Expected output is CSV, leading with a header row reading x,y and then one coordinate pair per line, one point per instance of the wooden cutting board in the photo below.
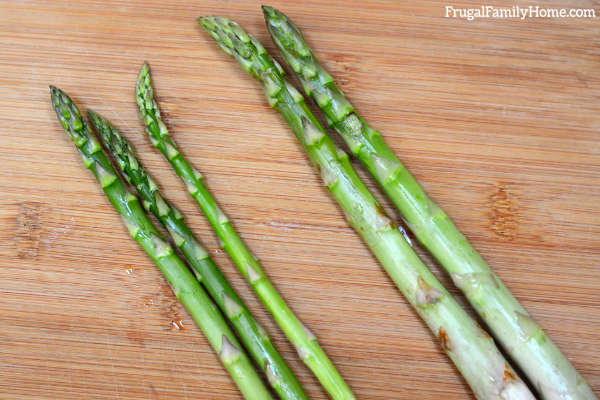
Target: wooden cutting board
x,y
499,120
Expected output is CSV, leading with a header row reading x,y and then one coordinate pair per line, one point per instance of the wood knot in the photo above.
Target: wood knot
x,y
504,213
347,65
136,335
28,229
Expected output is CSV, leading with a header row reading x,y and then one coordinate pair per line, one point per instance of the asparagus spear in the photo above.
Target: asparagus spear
x,y
184,285
470,348
511,325
253,336
305,342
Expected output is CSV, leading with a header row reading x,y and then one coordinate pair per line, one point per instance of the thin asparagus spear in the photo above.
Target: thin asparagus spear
x,y
305,342
253,336
511,325
470,348
182,281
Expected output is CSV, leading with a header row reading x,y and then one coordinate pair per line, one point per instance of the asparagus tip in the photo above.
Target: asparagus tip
x,y
54,91
210,22
144,70
59,96
271,12
97,120
205,20
92,114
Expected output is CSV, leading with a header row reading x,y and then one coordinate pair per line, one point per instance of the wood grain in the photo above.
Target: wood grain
x,y
499,119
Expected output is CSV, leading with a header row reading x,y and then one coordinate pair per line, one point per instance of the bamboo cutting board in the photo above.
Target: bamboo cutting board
x,y
499,120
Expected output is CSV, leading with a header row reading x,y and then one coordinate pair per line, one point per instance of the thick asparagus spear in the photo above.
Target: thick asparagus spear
x,y
253,336
470,348
182,281
511,325
305,342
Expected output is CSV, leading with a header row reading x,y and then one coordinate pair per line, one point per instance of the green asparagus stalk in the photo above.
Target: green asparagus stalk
x,y
511,325
470,348
304,341
182,281
253,336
